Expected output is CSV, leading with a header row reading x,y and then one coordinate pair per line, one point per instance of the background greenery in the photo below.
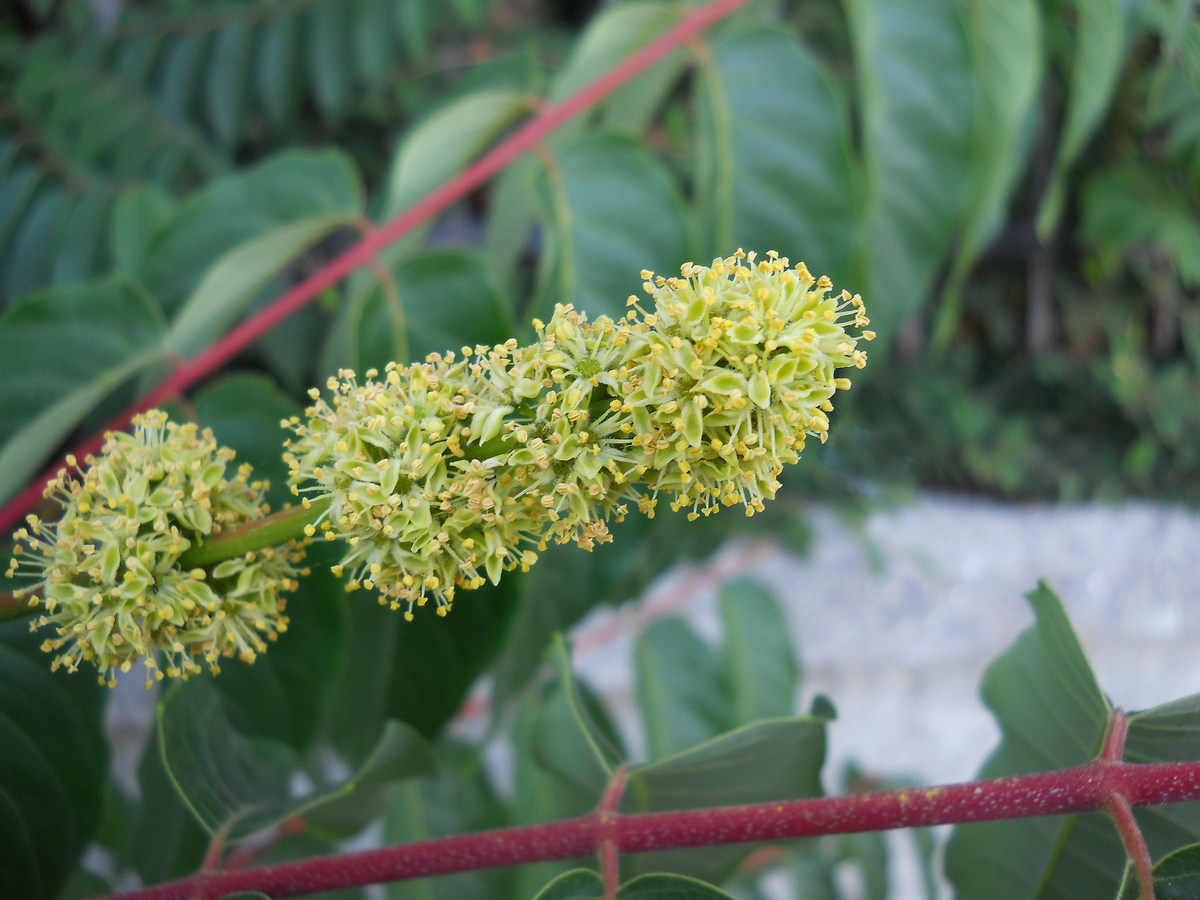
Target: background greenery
x,y
1013,186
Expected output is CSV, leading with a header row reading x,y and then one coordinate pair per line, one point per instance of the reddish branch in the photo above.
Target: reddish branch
x,y
1087,788
523,140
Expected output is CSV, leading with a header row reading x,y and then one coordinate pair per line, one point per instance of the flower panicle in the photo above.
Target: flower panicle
x,y
106,571
443,474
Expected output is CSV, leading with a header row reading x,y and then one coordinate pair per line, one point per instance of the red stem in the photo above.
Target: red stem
x,y
1087,788
520,142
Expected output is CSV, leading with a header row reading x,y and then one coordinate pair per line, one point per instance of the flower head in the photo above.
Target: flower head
x,y
729,372
107,569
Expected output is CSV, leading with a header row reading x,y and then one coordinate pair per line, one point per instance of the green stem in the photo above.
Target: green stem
x,y
277,528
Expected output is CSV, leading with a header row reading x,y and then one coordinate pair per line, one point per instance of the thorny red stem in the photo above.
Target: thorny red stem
x,y
1086,788
527,137
1112,750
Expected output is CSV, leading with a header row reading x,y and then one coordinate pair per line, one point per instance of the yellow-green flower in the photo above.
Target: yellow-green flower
x,y
729,372
107,571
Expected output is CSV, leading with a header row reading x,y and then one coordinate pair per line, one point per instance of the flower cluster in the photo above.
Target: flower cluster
x,y
728,373
107,570
444,473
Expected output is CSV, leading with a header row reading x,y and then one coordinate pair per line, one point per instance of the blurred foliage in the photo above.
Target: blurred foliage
x,y
1013,186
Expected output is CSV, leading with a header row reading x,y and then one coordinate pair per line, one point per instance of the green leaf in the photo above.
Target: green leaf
x,y
1176,877
446,300
769,177
417,672
61,352
615,34
659,886
611,209
577,884
328,50
566,583
276,83
137,215
1096,59
456,801
447,141
288,188
572,737
225,86
244,412
237,277
52,768
238,786
911,57
1006,57
760,669
1052,715
679,692
775,759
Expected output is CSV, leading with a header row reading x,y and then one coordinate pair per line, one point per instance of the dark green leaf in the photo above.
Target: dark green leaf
x,y
225,86
238,786
1006,57
770,177
611,209
61,353
290,187
1176,877
52,768
458,800
658,886
775,759
761,674
1053,715
577,884
447,141
679,691
916,115
278,87
138,214
417,672
1097,56
328,53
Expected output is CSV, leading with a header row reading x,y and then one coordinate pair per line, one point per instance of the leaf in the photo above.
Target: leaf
x,y
443,144
572,737
235,279
1097,55
457,800
225,86
659,886
328,47
774,759
61,352
446,301
566,583
52,770
760,670
276,83
288,188
1052,715
137,215
244,412
1176,877
238,786
912,60
773,155
1006,57
610,209
417,672
678,687
577,884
